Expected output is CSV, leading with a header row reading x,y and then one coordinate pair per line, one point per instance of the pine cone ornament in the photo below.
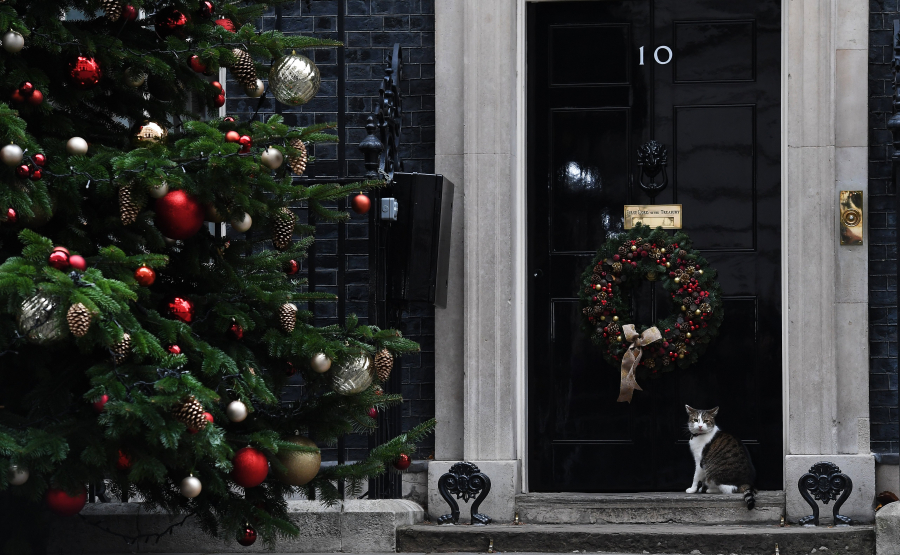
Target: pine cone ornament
x,y
190,413
128,210
705,307
283,232
617,267
666,361
596,278
287,317
639,240
384,363
613,329
682,253
298,163
646,247
623,251
112,9
650,363
79,319
123,348
243,68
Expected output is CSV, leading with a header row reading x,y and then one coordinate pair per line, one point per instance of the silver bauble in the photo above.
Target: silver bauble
x,y
11,155
41,320
320,363
271,158
76,146
170,242
256,90
191,487
135,77
243,225
294,79
13,42
236,411
352,376
159,191
17,475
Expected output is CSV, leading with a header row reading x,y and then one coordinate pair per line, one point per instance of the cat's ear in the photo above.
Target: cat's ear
x,y
690,409
713,412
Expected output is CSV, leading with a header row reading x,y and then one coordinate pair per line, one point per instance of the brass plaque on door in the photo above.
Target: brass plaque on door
x,y
666,216
851,217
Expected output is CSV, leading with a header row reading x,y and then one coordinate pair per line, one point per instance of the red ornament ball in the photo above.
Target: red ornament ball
x,y
232,136
196,64
289,369
78,262
361,204
12,216
85,72
59,248
17,96
129,13
247,537
236,331
206,9
245,140
23,170
100,403
171,21
373,413
219,101
403,462
36,98
60,502
59,260
26,88
39,159
228,119
180,308
226,24
250,467
174,349
145,276
179,215
35,174
218,86
124,461
291,267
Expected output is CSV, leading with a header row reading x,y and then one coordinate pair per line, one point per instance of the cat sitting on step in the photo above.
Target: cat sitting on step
x,y
722,461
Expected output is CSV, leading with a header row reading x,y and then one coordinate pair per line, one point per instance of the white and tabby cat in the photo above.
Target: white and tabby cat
x,y
722,461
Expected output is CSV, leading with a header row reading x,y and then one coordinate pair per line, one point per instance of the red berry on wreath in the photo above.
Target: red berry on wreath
x,y
78,262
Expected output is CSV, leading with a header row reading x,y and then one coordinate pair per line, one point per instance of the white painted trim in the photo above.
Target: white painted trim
x,y
520,232
785,319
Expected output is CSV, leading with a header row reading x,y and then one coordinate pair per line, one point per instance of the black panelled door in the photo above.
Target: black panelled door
x,y
701,77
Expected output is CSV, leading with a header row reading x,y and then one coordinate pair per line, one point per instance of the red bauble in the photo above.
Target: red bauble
x,y
26,88
219,101
11,216
59,248
232,136
373,413
78,262
174,349
289,369
36,98
196,64
171,21
206,9
145,276
403,462
247,537
23,171
58,260
63,504
100,404
228,119
85,72
17,96
250,467
39,159
236,331
179,215
361,204
245,140
226,24
245,150
291,267
129,13
35,175
218,86
180,308
124,461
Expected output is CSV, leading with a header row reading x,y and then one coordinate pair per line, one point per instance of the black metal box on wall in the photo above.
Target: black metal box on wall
x,y
418,244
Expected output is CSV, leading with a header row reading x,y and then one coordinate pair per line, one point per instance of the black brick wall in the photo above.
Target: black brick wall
x,y
371,29
882,238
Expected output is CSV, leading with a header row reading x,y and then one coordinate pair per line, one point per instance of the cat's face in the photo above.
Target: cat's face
x,y
701,421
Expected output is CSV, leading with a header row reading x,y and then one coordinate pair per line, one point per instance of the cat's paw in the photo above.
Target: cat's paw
x,y
692,489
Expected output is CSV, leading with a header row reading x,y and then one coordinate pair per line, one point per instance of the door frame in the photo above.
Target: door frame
x,y
481,366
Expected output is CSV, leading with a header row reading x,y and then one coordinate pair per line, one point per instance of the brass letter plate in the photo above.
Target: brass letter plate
x,y
666,216
852,218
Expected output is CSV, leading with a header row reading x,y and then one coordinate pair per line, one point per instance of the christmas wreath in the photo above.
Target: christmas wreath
x,y
678,339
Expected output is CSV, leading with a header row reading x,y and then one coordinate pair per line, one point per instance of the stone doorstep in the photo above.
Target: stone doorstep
x,y
647,508
638,538
352,526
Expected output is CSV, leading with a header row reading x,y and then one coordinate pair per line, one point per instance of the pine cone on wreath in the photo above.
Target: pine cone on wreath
x,y
646,247
705,307
665,361
639,240
112,9
682,253
298,163
128,210
587,311
384,363
287,317
613,329
596,278
283,232
623,251
190,413
243,68
617,267
650,363
79,320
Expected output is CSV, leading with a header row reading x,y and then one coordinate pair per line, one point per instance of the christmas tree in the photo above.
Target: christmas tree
x,y
138,348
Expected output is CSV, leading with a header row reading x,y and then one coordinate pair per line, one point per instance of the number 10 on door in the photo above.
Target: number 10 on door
x,y
666,51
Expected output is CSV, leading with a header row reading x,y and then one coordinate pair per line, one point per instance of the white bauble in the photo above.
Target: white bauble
x,y
257,90
271,158
11,155
191,487
236,411
320,363
242,225
170,242
17,475
13,42
159,191
76,146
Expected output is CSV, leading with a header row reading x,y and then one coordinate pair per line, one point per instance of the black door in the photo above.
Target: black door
x,y
701,77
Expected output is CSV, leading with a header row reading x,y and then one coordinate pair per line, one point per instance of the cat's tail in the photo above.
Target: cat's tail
x,y
749,495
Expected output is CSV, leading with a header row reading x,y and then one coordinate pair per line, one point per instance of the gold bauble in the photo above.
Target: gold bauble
x,y
603,317
663,251
688,335
633,247
148,132
700,272
300,467
615,318
618,338
697,312
677,280
352,376
680,356
668,264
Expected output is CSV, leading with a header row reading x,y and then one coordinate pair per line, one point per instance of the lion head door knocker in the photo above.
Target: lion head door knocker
x,y
825,482
652,158
465,481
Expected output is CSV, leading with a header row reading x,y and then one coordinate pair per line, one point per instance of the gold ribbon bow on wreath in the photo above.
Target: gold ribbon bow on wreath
x,y
632,358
